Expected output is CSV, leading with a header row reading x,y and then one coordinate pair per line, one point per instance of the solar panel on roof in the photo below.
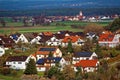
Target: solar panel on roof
x,y
83,54
47,49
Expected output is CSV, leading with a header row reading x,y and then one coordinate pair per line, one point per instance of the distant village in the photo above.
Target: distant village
x,y
82,17
43,19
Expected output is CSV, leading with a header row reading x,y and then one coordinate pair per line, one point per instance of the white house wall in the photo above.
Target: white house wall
x,y
22,38
35,40
57,53
42,69
2,51
16,65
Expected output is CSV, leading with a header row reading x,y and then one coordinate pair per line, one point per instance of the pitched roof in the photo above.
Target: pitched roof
x,y
1,42
106,37
44,38
7,40
1,36
17,58
79,34
72,38
87,63
59,36
15,36
64,32
83,54
47,33
49,60
29,36
45,50
90,34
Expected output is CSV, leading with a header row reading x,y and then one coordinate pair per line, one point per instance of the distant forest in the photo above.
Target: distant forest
x,y
61,12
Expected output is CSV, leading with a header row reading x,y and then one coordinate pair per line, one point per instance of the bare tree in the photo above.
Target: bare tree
x,y
93,28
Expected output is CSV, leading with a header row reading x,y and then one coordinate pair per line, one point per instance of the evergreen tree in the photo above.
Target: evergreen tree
x,y
98,51
54,71
114,26
31,68
69,47
50,54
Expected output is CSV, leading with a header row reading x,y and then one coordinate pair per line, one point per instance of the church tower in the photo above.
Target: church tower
x,y
81,14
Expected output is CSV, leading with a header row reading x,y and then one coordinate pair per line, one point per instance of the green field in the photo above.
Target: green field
x,y
53,27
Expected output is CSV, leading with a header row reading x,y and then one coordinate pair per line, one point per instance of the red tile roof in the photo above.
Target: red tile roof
x,y
48,33
72,38
87,63
106,37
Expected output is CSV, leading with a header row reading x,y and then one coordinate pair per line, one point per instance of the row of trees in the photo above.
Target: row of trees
x,y
38,20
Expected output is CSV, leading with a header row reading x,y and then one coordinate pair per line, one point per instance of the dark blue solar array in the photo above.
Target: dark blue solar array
x,y
54,59
40,61
15,37
47,49
83,54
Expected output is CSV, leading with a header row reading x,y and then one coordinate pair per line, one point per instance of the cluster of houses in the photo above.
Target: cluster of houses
x,y
46,57
78,17
82,17
86,60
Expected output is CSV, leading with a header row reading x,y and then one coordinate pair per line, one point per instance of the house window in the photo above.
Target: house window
x,y
39,68
88,68
94,57
87,58
1,51
13,62
19,62
47,60
8,62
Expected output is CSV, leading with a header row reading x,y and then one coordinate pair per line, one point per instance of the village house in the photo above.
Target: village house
x,y
56,40
46,63
44,52
36,40
75,40
2,51
27,38
83,56
44,39
109,39
87,65
91,35
6,42
17,62
15,36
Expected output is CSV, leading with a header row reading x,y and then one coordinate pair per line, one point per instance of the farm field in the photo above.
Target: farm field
x,y
53,27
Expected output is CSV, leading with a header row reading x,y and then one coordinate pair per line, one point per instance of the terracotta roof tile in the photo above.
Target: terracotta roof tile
x,y
87,63
72,38
47,33
106,37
